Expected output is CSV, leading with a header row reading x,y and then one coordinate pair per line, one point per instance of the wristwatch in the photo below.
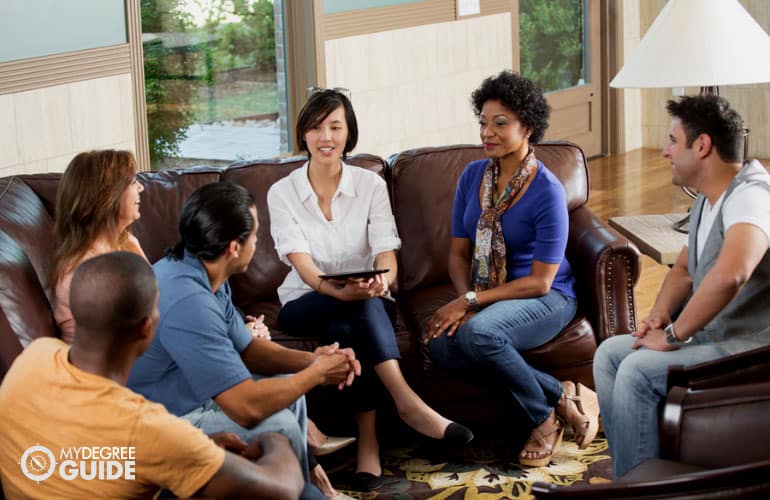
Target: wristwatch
x,y
671,337
472,299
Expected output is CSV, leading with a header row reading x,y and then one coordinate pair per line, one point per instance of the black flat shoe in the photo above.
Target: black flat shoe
x,y
365,481
457,435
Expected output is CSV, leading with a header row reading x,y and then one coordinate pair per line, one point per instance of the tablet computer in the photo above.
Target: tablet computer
x,y
364,273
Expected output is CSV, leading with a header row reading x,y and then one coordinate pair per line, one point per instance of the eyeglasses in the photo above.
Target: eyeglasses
x,y
340,90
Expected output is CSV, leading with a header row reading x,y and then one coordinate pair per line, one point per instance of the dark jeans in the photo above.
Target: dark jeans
x,y
364,325
489,344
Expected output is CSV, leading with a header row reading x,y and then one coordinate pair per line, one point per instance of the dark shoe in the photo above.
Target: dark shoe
x,y
457,435
365,481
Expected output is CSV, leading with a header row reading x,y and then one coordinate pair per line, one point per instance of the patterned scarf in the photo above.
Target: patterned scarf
x,y
488,269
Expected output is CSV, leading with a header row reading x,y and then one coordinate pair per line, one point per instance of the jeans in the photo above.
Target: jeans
x,y
490,344
631,385
291,422
364,325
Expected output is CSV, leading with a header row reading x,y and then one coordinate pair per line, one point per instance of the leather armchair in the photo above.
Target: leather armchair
x,y
715,414
606,267
714,437
740,481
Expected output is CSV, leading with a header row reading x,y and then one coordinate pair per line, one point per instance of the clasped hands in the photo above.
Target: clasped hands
x,y
257,327
449,318
360,288
337,365
650,333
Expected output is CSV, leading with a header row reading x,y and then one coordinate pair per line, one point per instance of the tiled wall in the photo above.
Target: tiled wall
x,y
411,87
41,130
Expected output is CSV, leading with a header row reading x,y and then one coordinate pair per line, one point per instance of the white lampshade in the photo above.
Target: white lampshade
x,y
695,43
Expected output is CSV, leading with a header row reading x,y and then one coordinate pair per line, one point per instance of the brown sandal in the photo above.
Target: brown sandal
x,y
580,407
538,443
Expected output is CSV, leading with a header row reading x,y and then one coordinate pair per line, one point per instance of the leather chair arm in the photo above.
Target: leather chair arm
x,y
716,427
10,347
742,368
606,266
743,481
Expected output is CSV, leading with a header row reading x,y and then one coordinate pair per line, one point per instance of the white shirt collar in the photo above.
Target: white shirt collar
x,y
305,190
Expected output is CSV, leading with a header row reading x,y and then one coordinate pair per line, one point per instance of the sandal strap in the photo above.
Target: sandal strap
x,y
541,444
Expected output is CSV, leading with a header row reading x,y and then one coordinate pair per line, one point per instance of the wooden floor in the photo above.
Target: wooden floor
x,y
637,183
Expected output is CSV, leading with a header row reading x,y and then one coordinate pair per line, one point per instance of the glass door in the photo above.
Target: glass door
x,y
559,49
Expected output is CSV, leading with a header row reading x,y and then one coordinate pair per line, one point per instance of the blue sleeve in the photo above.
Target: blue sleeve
x,y
460,203
551,225
237,331
196,334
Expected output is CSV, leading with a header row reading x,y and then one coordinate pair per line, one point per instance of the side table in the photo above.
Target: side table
x,y
653,234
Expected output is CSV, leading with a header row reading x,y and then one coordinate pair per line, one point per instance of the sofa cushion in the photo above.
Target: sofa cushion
x,y
24,218
26,253
161,202
26,309
45,187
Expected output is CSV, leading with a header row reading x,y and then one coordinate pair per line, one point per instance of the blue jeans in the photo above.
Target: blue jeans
x,y
291,422
364,325
490,344
631,385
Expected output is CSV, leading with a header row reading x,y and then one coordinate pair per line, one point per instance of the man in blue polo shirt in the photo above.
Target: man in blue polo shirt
x,y
202,362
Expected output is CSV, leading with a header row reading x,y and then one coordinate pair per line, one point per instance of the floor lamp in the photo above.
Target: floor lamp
x,y
699,43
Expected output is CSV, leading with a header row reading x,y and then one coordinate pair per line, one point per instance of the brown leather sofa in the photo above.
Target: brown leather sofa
x,y
422,184
714,437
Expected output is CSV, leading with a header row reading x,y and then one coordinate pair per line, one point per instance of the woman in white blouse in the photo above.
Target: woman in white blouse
x,y
328,217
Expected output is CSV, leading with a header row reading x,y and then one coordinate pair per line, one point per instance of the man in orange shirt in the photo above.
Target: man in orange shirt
x,y
71,429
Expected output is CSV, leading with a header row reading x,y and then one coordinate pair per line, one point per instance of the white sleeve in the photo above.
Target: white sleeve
x,y
381,226
284,227
748,204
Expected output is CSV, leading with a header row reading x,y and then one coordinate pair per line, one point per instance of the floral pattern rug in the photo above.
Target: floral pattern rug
x,y
486,469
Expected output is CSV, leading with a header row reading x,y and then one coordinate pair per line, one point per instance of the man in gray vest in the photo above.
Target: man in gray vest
x,y
713,302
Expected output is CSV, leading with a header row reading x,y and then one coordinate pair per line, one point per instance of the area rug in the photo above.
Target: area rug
x,y
486,469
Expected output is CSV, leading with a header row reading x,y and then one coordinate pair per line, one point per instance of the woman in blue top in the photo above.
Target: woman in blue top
x,y
515,286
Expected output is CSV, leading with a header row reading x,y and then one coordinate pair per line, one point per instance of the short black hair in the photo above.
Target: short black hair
x,y
319,105
213,216
112,292
520,95
711,115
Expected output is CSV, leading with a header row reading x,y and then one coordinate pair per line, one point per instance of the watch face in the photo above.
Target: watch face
x,y
668,332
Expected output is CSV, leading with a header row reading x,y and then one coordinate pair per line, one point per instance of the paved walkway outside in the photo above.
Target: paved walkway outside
x,y
223,141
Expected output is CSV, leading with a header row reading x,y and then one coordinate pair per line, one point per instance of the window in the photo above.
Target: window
x,y
552,38
210,81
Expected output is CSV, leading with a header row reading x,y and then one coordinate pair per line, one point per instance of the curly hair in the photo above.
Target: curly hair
x,y
88,205
520,95
711,115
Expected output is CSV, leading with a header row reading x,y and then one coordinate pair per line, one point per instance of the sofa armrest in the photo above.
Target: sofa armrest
x,y
606,266
742,368
742,481
716,427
